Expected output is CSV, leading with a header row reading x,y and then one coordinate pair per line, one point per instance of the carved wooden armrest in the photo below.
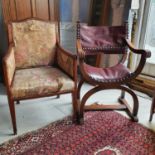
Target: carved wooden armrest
x,y
67,61
9,65
144,55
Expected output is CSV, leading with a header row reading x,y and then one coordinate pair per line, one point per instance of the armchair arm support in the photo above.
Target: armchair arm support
x,y
144,55
80,51
67,61
9,65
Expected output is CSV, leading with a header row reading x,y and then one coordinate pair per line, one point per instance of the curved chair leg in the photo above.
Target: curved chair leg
x,y
152,109
131,113
84,99
79,88
13,115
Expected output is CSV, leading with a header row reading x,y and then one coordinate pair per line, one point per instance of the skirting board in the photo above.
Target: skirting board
x,y
143,84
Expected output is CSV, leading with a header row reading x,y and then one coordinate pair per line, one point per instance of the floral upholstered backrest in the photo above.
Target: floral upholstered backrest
x,y
35,43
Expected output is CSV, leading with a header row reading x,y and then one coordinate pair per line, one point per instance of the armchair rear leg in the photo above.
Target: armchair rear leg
x,y
13,115
151,116
58,96
17,102
122,96
75,107
79,88
81,119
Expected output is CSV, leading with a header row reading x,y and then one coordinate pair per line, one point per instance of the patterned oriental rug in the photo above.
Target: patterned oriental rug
x,y
103,133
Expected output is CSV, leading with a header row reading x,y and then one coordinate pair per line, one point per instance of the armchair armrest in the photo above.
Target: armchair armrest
x,y
144,55
67,61
9,65
137,51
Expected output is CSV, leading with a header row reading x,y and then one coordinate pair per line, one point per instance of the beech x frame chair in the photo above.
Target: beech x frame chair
x,y
109,40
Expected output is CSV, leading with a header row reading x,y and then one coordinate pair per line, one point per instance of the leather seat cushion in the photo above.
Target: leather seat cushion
x,y
117,72
40,81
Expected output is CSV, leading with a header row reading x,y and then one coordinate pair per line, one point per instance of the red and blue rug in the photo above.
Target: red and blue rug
x,y
103,133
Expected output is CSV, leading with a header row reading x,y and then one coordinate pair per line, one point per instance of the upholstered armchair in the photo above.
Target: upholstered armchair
x,y
109,40
36,65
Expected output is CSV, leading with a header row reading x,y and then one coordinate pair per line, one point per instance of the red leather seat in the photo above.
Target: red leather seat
x,y
111,74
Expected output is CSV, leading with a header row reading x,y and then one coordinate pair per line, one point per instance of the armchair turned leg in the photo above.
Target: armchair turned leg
x,y
13,115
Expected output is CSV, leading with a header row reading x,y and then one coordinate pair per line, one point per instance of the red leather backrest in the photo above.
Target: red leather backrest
x,y
106,38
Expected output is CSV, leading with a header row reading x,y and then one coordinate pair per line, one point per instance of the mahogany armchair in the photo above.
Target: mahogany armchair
x,y
36,65
109,40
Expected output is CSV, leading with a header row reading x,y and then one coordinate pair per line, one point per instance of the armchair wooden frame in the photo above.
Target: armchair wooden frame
x,y
100,85
12,100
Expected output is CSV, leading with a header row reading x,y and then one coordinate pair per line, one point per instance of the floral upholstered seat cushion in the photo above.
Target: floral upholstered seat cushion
x,y
40,81
35,43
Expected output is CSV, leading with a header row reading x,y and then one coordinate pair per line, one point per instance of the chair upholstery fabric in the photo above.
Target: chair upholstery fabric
x,y
10,64
65,62
35,43
40,81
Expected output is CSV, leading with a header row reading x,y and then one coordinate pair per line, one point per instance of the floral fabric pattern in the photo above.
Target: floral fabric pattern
x,y
10,65
35,43
40,81
65,62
